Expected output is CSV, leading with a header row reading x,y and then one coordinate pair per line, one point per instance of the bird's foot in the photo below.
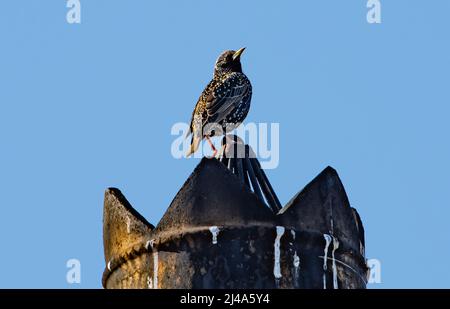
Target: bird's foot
x,y
214,149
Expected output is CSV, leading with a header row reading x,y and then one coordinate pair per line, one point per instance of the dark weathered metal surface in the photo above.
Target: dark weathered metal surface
x,y
217,233
322,208
241,160
125,232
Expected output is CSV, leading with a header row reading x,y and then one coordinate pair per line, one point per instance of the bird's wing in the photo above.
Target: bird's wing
x,y
226,97
197,113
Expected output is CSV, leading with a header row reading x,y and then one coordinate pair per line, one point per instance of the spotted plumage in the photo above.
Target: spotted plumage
x,y
225,101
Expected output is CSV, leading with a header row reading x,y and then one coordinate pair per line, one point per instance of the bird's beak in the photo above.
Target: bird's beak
x,y
237,54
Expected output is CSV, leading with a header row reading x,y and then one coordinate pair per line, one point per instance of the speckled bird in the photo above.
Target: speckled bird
x,y
224,103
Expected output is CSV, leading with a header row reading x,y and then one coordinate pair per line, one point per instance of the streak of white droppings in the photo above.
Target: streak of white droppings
x,y
296,268
214,231
149,244
361,249
325,256
276,267
155,269
149,282
335,246
128,225
296,257
296,261
153,285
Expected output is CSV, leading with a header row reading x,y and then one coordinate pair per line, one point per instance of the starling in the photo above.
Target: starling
x,y
224,103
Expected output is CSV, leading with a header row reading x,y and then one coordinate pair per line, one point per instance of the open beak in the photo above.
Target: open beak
x,y
237,54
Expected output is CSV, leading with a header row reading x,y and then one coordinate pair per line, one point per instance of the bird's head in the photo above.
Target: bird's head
x,y
229,61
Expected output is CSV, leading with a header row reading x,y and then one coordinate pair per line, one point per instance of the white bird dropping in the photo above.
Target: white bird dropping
x,y
335,246
149,282
155,269
148,244
296,261
276,267
325,257
128,225
214,231
296,267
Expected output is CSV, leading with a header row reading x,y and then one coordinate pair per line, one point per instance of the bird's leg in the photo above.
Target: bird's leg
x,y
221,152
212,147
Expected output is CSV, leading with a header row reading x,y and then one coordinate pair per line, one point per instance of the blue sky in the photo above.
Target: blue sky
x,y
88,106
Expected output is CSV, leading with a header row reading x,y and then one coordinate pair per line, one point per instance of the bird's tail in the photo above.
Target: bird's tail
x,y
195,142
